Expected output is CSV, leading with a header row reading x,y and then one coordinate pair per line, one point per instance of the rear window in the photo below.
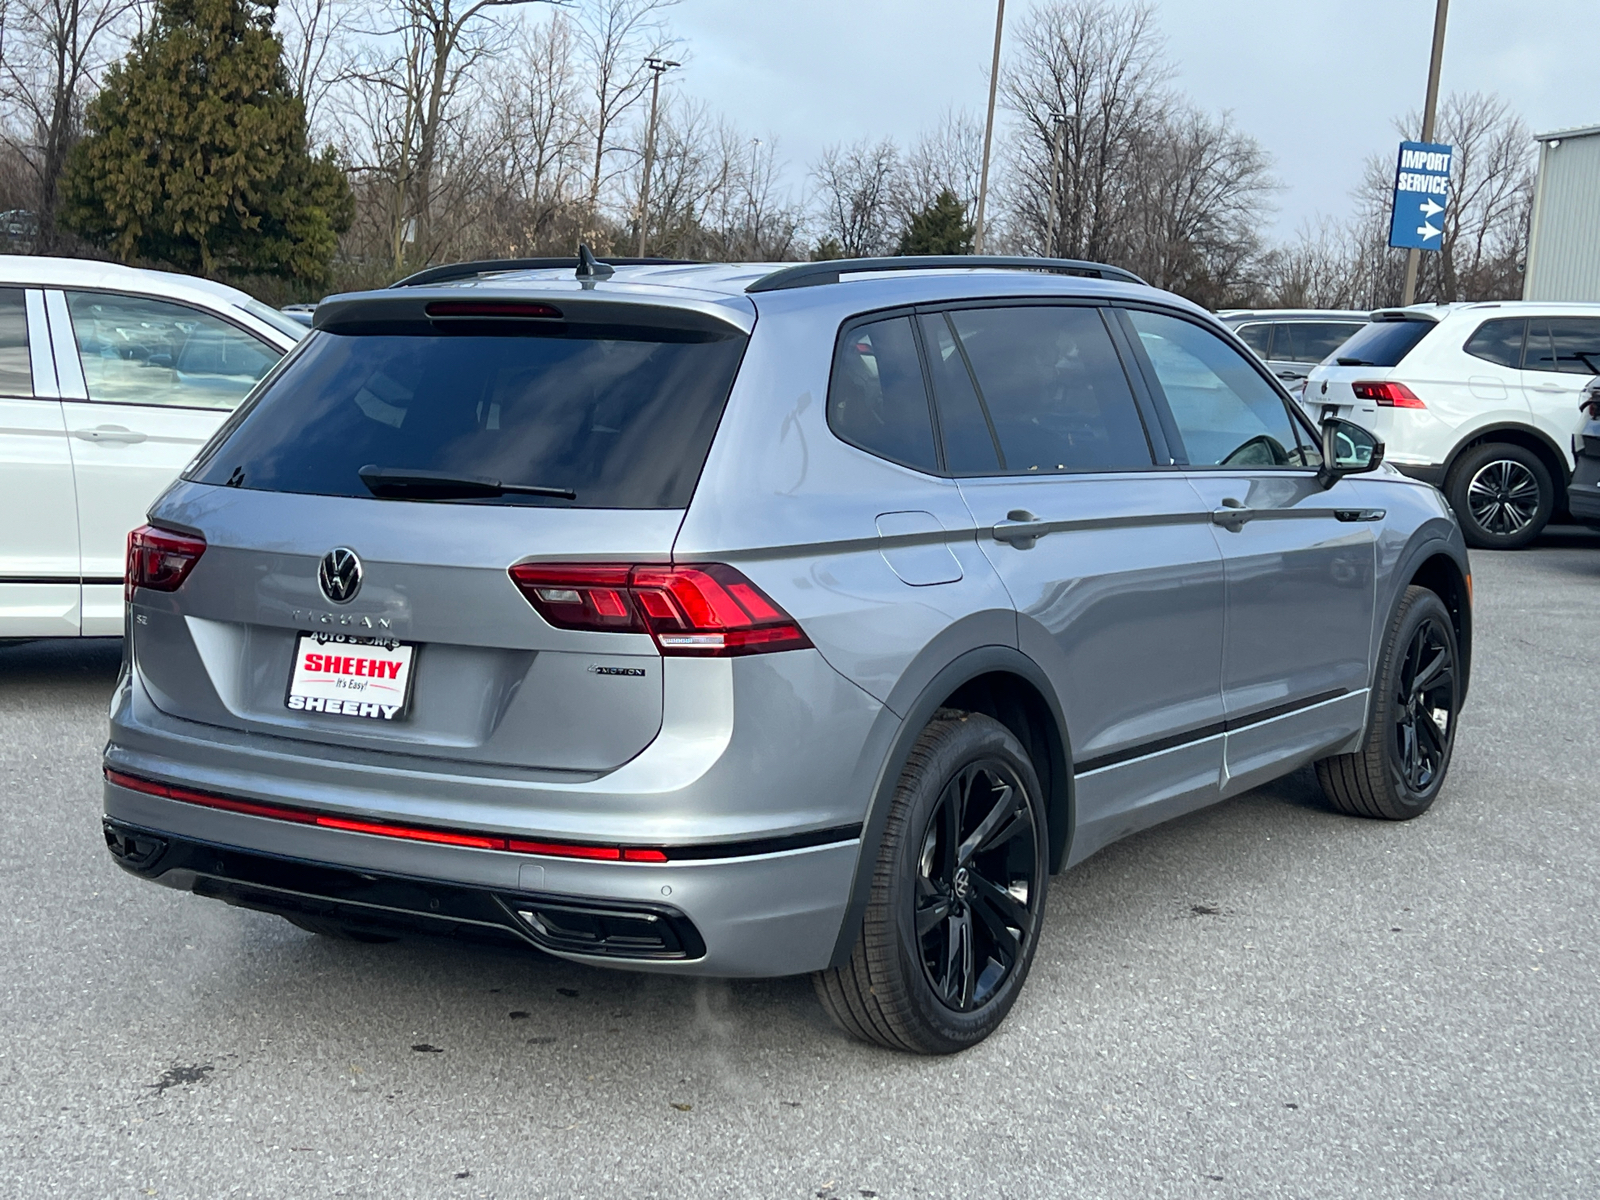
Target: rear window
x,y
1382,343
622,422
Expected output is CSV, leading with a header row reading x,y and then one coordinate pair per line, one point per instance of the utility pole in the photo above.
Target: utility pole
x,y
1430,110
988,127
1055,185
658,67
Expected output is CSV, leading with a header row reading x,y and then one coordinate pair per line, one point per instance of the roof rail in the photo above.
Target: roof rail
x,y
488,266
818,273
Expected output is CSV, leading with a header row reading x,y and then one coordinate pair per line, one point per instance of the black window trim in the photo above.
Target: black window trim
x,y
1169,423
66,289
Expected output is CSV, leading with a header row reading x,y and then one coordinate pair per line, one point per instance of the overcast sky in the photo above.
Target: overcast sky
x,y
1317,81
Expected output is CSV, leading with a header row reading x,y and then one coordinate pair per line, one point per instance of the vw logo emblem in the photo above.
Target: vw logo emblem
x,y
340,575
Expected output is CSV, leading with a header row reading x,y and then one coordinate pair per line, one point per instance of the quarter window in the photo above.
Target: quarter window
x,y
877,398
16,369
1498,341
1226,414
1053,389
139,351
1257,336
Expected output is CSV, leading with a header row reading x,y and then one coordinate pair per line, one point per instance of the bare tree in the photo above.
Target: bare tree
x,y
856,186
52,56
948,157
1088,87
317,50
616,37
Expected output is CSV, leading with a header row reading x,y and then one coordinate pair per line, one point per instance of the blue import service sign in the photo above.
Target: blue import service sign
x,y
1421,195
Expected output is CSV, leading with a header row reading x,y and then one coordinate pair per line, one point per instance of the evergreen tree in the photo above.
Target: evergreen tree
x,y
196,156
941,228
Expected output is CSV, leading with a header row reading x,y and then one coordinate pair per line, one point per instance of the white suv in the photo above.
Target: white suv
x,y
110,379
1478,399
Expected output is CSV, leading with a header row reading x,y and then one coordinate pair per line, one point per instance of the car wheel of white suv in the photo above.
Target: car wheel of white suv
x,y
1502,494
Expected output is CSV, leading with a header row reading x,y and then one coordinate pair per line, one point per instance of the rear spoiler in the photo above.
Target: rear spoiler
x,y
426,311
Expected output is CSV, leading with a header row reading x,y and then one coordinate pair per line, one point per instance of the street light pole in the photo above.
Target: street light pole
x,y
658,67
988,127
1430,110
1055,186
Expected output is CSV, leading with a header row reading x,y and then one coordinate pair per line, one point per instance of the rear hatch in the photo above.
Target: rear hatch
x,y
1371,356
360,516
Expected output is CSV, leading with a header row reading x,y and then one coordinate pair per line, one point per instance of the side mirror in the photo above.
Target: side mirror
x,y
1347,449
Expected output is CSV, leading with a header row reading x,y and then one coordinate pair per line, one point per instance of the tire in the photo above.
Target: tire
x,y
911,992
1404,756
338,931
1502,495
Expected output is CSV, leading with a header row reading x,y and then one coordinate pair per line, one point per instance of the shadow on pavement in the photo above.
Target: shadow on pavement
x,y
61,661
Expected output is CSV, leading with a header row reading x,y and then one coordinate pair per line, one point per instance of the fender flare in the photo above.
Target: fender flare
x,y
982,660
1486,434
1424,546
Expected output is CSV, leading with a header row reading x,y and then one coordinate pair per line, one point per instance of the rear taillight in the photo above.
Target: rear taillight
x,y
159,559
1390,395
699,610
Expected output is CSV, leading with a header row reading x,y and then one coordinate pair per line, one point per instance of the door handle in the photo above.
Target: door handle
x,y
1547,387
111,433
1020,529
1232,515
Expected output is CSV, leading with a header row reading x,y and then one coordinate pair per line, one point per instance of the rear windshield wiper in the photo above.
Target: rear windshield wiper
x,y
403,483
1352,362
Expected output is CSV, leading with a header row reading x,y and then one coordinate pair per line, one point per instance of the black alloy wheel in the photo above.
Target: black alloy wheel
x,y
1424,706
975,882
957,899
1411,722
1502,495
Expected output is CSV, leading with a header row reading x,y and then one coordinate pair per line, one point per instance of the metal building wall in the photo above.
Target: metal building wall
x,y
1564,238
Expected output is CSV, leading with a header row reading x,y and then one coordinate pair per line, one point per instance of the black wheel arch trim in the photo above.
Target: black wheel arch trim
x,y
1486,435
969,666
1423,547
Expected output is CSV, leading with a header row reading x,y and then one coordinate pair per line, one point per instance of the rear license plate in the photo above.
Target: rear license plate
x,y
351,676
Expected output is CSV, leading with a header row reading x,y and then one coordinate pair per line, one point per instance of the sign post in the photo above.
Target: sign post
x,y
1421,196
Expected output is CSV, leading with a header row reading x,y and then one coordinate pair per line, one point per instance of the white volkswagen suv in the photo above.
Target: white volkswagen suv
x,y
1478,399
110,379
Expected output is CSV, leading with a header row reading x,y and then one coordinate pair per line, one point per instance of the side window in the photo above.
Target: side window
x,y
969,441
1498,341
139,351
1575,345
1053,388
16,369
1226,414
1310,341
877,398
1258,336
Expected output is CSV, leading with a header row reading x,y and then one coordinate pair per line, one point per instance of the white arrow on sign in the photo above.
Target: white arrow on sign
x,y
1427,230
1430,209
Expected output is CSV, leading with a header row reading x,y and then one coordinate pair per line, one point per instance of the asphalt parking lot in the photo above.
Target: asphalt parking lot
x,y
1265,999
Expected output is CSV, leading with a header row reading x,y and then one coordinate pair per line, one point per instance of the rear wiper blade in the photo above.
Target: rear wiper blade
x,y
404,483
1352,362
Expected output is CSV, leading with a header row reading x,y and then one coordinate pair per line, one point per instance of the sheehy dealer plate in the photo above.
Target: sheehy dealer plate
x,y
351,676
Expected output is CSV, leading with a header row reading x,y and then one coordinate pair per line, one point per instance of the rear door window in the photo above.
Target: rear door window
x,y
622,421
1567,345
1383,343
1053,389
1226,414
1310,341
1498,341
877,397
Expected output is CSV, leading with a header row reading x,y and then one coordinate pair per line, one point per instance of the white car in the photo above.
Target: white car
x,y
1479,399
111,379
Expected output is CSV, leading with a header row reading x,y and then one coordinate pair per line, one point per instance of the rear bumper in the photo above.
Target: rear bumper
x,y
760,915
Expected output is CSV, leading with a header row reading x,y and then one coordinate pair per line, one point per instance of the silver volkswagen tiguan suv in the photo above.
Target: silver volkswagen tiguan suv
x,y
759,620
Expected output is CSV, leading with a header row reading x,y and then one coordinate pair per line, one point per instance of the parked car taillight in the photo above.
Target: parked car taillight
x,y
159,559
1390,395
699,610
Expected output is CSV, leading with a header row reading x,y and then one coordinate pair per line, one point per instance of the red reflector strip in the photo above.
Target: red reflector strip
x,y
412,833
